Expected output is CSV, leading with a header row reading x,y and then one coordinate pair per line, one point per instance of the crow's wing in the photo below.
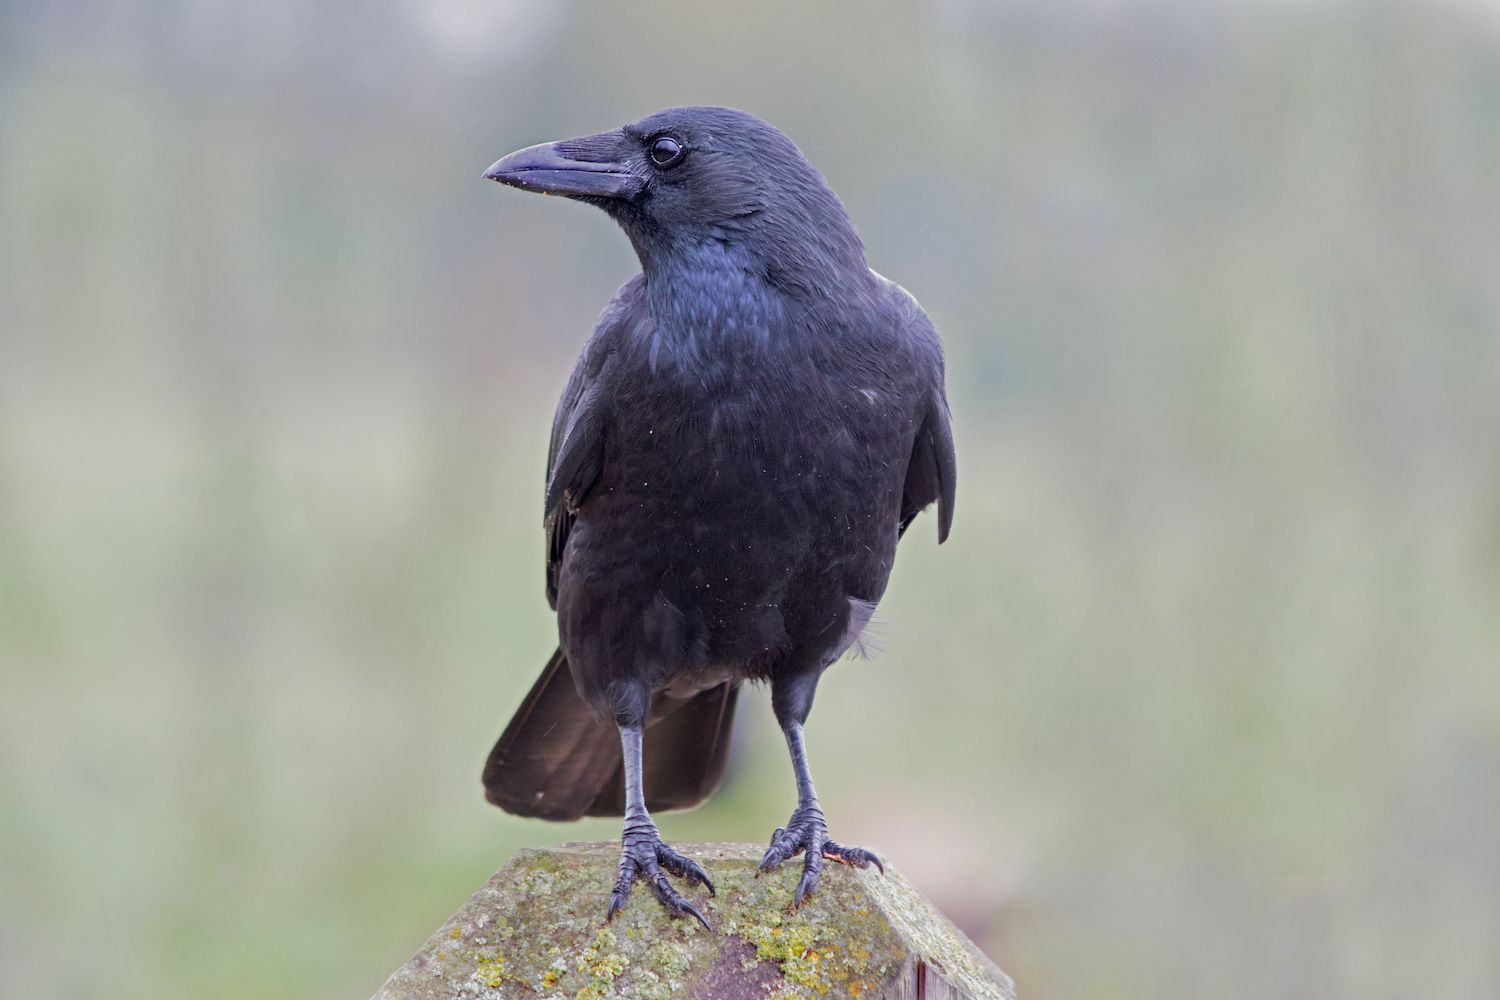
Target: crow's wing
x,y
575,456
932,469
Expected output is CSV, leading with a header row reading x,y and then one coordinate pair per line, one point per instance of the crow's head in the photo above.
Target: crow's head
x,y
693,177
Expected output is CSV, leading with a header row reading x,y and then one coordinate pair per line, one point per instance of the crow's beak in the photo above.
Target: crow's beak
x,y
575,168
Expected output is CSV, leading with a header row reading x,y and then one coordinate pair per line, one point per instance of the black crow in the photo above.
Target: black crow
x,y
755,421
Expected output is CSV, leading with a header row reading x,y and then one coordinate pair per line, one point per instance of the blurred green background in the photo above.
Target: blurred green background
x,y
1202,699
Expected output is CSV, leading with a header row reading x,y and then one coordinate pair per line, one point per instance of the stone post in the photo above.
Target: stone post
x,y
537,929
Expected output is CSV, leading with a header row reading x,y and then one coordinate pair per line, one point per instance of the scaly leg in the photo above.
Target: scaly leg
x,y
807,830
643,854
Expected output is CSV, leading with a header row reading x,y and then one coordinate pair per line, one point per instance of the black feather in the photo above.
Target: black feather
x,y
686,752
557,760
556,754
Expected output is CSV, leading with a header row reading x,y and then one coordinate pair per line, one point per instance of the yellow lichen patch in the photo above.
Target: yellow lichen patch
x,y
491,971
668,959
601,961
792,947
456,933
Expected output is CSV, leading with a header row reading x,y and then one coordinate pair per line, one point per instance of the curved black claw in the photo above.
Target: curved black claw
x,y
807,833
644,854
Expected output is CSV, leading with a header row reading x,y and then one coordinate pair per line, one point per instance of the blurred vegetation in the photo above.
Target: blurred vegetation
x,y
1202,697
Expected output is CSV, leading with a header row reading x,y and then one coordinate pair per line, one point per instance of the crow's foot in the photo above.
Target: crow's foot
x,y
643,854
807,831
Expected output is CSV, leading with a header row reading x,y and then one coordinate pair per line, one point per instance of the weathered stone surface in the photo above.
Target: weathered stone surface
x,y
537,930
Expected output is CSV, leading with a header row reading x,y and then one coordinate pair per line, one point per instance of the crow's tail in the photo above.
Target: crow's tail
x,y
557,760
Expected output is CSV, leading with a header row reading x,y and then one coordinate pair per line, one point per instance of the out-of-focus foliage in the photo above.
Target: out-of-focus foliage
x,y
1202,697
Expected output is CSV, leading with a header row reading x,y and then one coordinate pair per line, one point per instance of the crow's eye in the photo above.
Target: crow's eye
x,y
666,151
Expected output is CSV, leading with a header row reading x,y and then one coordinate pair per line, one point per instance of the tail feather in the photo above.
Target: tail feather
x,y
555,755
557,760
686,750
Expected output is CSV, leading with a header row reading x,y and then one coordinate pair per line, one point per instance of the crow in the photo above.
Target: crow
x,y
752,426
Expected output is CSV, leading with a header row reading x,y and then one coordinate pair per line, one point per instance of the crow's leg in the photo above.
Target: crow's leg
x,y
643,854
807,830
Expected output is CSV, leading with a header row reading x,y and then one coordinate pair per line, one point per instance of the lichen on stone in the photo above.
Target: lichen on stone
x,y
491,971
